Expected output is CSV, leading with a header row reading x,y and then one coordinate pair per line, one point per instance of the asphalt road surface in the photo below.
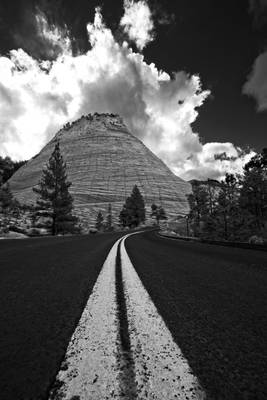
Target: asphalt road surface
x,y
121,347
44,286
76,317
214,301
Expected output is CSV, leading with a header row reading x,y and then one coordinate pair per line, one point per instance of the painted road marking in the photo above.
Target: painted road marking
x,y
121,348
160,368
128,384
90,367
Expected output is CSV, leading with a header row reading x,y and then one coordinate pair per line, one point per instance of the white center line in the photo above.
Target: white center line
x,y
90,366
161,370
93,366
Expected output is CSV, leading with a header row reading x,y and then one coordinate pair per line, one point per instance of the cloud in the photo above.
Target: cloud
x,y
38,37
57,39
137,22
214,160
38,97
256,85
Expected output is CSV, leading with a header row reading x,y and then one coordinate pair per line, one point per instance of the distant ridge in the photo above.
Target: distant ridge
x,y
104,161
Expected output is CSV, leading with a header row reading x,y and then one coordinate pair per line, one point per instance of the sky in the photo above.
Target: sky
x,y
189,77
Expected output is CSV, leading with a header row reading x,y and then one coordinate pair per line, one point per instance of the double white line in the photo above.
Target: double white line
x,y
96,365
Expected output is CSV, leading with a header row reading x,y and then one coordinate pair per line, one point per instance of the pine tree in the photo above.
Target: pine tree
x,y
253,196
6,197
109,226
199,206
123,217
6,205
235,208
8,168
226,210
54,200
99,221
158,213
133,212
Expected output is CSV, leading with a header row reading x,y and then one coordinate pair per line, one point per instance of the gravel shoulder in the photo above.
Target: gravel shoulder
x,y
214,301
44,286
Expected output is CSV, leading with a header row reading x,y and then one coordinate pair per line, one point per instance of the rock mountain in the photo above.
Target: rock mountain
x,y
104,161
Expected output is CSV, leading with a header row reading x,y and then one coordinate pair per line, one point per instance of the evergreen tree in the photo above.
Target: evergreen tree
x,y
109,226
99,221
6,197
8,168
6,204
212,187
133,212
158,213
226,211
123,217
235,208
199,206
54,200
253,197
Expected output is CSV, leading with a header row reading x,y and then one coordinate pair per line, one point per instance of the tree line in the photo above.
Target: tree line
x,y
53,209
9,207
233,209
133,213
8,168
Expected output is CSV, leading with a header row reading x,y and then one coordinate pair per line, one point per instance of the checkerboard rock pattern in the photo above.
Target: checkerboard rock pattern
x,y
104,161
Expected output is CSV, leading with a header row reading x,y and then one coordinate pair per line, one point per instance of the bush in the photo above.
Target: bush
x,y
256,240
33,232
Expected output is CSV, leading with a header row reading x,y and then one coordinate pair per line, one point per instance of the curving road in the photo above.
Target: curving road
x,y
146,317
121,348
214,301
44,286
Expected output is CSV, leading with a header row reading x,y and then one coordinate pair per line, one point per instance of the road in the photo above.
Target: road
x,y
44,286
121,348
214,301
98,318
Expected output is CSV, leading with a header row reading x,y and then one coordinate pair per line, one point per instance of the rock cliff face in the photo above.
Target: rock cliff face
x,y
104,161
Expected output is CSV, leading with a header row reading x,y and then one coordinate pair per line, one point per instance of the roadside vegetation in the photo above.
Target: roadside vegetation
x,y
104,224
158,213
234,209
54,204
52,213
133,212
8,168
9,207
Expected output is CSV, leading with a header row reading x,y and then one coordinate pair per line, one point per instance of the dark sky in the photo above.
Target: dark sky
x,y
219,40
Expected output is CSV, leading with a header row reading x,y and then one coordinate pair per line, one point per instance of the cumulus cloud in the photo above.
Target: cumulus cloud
x,y
38,97
137,22
256,85
214,160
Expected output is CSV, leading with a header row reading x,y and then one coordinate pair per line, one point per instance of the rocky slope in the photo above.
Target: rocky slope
x,y
104,161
